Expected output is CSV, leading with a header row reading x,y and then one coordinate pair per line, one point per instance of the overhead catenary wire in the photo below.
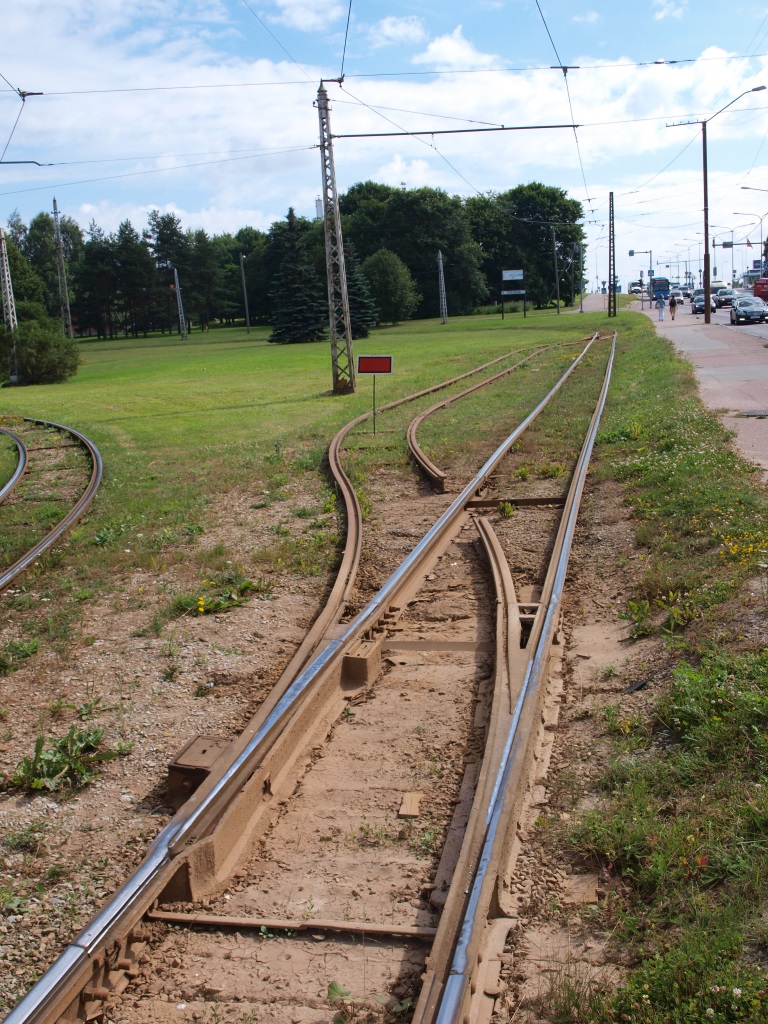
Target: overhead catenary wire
x,y
269,31
346,37
565,69
154,170
435,72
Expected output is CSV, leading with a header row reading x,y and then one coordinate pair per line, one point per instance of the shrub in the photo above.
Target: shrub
x,y
43,355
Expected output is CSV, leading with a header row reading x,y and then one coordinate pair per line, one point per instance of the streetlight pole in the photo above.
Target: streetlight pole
x,y
707,284
742,213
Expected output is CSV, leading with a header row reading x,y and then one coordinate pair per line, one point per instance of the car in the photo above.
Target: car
x,y
697,302
679,297
748,309
724,297
635,290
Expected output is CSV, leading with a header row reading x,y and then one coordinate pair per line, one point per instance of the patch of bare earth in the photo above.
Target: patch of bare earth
x,y
64,853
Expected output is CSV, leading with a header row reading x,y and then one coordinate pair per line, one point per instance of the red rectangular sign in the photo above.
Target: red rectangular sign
x,y
374,364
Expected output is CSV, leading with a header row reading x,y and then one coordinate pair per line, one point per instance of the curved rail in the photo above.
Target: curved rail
x,y
435,474
21,465
197,818
85,499
338,599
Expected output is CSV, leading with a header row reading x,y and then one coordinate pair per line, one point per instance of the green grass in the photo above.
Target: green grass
x,y
684,818
686,814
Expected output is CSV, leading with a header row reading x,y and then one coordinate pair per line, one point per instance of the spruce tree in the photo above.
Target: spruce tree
x,y
299,307
363,312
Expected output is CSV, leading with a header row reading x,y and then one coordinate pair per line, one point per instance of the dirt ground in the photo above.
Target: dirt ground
x,y
64,854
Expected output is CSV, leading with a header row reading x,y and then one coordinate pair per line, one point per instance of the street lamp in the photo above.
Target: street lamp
x,y
741,213
707,285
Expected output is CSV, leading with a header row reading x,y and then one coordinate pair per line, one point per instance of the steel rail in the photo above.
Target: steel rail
x,y
338,599
451,1000
21,465
65,524
195,819
435,474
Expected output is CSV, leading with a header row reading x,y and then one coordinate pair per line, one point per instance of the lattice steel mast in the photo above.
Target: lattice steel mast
x,y
66,315
9,306
612,300
441,286
182,321
338,298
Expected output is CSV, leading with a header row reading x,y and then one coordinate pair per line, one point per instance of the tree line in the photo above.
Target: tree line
x,y
122,283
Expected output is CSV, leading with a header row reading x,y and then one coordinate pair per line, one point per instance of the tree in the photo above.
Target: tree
x,y
514,229
363,313
95,305
299,309
392,286
415,224
134,271
43,355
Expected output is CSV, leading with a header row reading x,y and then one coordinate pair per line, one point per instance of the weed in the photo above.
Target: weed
x,y
638,613
523,472
506,509
70,760
27,838
14,653
10,902
609,672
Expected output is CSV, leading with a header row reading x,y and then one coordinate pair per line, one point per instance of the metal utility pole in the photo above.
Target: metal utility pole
x,y
612,302
9,306
338,299
557,277
66,316
245,295
441,279
182,321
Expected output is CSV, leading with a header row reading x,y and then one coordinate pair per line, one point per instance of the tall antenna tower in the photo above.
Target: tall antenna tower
x,y
9,306
182,321
441,285
66,316
338,299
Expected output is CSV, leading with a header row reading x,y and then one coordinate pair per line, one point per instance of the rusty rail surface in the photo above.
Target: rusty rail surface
x,y
433,472
77,510
21,465
198,850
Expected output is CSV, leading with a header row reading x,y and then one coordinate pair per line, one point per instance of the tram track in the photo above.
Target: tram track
x,y
46,472
195,857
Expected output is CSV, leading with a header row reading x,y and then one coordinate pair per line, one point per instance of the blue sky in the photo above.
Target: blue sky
x,y
213,116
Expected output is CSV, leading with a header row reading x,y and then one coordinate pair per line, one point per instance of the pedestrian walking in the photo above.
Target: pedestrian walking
x,y
672,305
660,304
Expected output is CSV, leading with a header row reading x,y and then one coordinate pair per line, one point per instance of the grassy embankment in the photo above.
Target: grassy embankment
x,y
686,827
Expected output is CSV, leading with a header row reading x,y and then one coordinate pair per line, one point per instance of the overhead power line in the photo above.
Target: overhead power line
x,y
378,74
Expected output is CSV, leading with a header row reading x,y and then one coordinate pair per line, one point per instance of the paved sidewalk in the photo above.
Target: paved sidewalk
x,y
731,367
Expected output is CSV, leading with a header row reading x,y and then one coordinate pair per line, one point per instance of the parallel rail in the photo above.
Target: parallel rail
x,y
199,848
67,522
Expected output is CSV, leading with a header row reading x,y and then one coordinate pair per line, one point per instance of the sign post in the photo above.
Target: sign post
x,y
515,276
374,365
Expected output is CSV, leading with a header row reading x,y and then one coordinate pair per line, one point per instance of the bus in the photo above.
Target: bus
x,y
659,286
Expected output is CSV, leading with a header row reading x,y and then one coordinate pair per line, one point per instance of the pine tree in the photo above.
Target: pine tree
x,y
363,312
299,307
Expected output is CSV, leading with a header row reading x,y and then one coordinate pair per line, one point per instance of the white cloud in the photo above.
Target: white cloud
x,y
454,51
392,30
588,18
669,9
307,15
